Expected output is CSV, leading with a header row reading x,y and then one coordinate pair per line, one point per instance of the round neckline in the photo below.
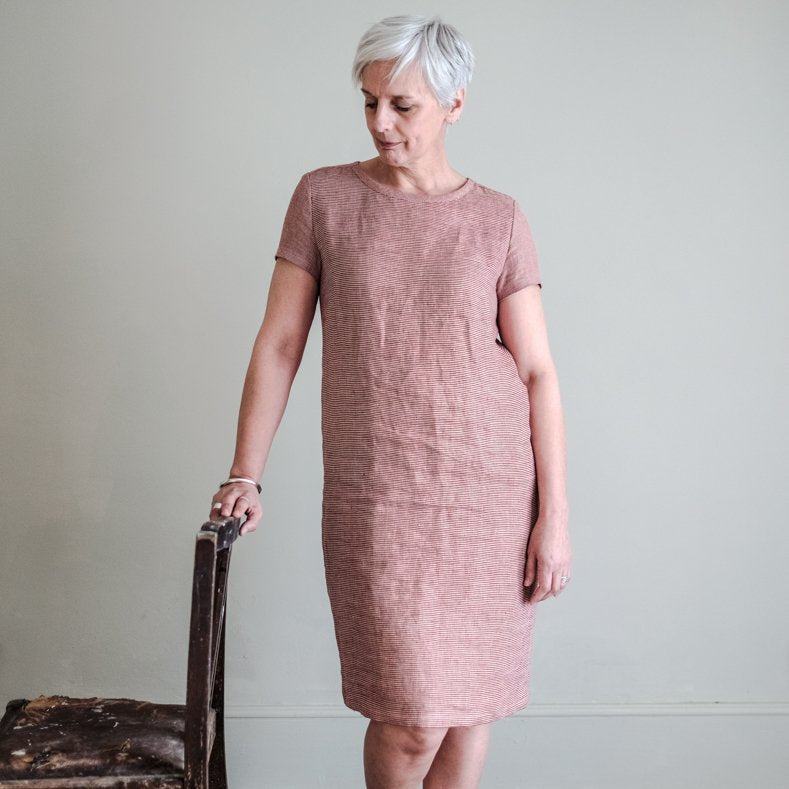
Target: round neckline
x,y
392,191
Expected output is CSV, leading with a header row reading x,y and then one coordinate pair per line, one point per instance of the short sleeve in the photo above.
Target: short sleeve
x,y
521,267
297,241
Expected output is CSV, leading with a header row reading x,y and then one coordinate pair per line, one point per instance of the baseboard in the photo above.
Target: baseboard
x,y
751,709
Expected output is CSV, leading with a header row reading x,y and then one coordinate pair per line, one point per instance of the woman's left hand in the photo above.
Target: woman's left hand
x,y
548,558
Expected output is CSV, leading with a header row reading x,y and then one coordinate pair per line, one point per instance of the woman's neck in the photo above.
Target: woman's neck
x,y
435,179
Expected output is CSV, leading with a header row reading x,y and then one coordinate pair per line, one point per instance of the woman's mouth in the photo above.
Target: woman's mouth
x,y
387,145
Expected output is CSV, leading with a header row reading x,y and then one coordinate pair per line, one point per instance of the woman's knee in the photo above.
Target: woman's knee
x,y
416,740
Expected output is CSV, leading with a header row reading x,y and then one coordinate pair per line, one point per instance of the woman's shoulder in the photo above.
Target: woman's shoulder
x,y
332,186
330,173
494,197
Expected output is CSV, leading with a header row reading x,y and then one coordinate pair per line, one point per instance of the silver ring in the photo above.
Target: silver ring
x,y
564,579
217,505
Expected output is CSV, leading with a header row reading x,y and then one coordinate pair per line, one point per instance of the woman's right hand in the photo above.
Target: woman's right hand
x,y
235,500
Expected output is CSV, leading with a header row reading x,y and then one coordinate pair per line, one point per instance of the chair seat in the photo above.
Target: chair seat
x,y
59,737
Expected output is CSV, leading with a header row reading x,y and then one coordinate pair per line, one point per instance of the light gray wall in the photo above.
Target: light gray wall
x,y
148,153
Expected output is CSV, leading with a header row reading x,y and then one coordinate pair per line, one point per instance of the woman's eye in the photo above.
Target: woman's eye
x,y
371,105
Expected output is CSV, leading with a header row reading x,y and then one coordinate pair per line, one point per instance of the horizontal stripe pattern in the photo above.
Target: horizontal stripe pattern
x,y
429,480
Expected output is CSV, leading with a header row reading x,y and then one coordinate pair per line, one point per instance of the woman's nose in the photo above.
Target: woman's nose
x,y
382,119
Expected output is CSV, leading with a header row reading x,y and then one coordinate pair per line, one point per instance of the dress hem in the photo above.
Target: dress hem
x,y
431,720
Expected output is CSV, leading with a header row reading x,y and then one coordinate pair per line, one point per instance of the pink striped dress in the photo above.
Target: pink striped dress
x,y
429,490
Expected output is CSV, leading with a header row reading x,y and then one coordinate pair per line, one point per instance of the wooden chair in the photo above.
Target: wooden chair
x,y
55,742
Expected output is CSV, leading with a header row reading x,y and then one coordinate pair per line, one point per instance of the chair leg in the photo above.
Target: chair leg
x,y
217,769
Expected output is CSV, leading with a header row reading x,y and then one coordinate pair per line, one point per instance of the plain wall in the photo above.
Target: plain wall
x,y
148,152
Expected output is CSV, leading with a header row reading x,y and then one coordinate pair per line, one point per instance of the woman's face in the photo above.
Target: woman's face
x,y
403,116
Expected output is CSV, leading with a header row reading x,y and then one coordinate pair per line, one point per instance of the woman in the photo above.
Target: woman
x,y
444,503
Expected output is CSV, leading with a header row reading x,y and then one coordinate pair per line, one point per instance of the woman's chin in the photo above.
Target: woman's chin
x,y
390,156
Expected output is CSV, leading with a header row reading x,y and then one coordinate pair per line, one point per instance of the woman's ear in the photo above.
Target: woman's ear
x,y
457,106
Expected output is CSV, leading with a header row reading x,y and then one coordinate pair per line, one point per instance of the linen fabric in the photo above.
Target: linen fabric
x,y
429,489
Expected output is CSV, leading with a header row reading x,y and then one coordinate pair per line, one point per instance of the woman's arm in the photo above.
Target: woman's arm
x,y
522,327
276,356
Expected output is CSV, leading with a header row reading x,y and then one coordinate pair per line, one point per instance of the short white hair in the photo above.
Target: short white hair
x,y
438,50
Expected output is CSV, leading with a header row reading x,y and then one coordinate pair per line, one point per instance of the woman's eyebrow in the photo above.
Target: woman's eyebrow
x,y
367,93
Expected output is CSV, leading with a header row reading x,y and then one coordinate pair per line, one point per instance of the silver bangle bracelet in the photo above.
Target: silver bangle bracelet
x,y
230,480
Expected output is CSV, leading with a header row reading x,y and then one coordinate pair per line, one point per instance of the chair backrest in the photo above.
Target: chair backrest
x,y
206,667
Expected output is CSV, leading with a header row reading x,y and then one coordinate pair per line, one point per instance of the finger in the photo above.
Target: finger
x,y
227,506
241,505
531,569
253,519
557,585
216,506
565,574
544,581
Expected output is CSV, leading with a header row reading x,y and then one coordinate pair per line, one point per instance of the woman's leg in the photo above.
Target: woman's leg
x,y
459,761
398,757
